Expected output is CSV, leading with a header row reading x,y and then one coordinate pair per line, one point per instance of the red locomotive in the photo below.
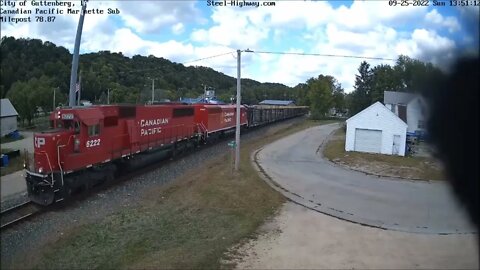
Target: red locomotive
x,y
88,145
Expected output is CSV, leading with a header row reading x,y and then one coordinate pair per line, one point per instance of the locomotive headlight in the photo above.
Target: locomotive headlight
x,y
40,170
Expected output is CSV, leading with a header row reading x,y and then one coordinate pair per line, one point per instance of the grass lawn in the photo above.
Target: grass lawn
x,y
386,165
190,223
14,164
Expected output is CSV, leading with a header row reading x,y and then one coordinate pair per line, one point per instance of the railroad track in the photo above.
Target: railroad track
x,y
17,213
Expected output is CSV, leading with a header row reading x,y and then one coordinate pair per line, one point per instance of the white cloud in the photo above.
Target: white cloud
x,y
438,21
152,16
363,15
178,28
366,28
231,28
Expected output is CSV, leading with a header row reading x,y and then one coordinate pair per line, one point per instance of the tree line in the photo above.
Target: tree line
x,y
32,70
407,75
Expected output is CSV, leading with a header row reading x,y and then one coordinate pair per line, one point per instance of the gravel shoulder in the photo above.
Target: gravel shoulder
x,y
299,238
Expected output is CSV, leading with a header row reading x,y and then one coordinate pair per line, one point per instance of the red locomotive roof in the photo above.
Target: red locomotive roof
x,y
89,116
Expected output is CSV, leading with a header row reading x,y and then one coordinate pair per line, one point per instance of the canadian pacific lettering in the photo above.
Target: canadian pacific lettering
x,y
152,126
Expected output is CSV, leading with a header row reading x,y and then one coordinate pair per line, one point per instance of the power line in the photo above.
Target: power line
x,y
327,55
196,60
205,58
269,52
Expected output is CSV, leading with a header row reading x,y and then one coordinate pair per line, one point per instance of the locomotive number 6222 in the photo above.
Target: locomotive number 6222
x,y
93,143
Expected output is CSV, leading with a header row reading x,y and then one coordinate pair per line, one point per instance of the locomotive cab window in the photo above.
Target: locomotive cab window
x,y
93,130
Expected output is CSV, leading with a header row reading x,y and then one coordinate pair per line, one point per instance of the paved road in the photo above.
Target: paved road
x,y
14,184
295,165
25,143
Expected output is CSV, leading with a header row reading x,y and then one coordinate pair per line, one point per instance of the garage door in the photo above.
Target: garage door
x,y
368,140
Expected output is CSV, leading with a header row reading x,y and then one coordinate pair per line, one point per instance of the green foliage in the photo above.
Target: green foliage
x,y
407,75
23,101
129,80
320,95
361,96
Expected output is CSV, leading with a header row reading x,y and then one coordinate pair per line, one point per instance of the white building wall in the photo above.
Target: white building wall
x,y
415,114
377,117
7,125
392,108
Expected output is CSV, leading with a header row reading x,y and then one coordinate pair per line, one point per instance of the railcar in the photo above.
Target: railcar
x,y
89,145
259,115
217,120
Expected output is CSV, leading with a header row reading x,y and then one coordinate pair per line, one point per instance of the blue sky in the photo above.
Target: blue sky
x,y
182,31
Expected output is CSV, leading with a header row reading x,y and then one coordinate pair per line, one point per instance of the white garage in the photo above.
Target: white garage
x,y
8,117
376,130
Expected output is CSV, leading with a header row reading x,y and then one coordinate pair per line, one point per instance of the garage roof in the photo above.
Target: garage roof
x,y
7,108
378,103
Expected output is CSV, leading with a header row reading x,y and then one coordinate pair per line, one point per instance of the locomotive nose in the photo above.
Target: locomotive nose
x,y
45,152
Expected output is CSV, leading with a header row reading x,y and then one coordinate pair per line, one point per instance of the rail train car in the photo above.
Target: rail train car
x,y
89,145
217,120
259,115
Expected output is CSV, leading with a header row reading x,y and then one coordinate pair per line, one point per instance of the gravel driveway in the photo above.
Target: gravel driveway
x,y
299,238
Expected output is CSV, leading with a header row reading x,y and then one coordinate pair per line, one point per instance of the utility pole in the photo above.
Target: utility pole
x,y
76,50
54,91
108,95
239,98
153,90
237,128
79,89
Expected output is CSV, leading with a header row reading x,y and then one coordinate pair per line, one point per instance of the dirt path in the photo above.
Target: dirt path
x,y
302,238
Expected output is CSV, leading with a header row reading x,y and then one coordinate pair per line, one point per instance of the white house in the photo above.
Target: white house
x,y
376,129
411,108
8,117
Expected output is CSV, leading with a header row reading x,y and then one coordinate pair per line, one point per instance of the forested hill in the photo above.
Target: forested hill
x,y
31,61
32,69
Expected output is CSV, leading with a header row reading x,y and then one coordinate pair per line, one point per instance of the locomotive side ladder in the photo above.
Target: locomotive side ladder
x,y
203,132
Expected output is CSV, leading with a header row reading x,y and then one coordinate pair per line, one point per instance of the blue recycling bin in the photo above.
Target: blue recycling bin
x,y
15,135
4,160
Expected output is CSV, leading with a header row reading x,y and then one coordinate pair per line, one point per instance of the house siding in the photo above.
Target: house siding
x,y
377,117
414,114
8,124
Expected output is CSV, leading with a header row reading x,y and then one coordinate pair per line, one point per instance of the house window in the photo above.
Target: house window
x,y
421,124
93,130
